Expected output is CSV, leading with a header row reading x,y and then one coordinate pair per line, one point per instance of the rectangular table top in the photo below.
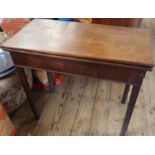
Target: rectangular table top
x,y
112,44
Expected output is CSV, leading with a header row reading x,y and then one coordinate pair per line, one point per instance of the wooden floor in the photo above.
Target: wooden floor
x,y
88,106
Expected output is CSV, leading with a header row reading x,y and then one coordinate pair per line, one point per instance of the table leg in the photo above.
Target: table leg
x,y
25,85
125,94
130,108
51,82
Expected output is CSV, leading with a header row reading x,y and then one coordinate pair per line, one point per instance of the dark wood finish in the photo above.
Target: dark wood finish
x,y
131,105
110,71
129,22
125,94
113,53
51,82
25,85
83,40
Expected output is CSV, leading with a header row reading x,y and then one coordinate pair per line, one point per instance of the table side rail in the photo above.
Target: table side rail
x,y
110,71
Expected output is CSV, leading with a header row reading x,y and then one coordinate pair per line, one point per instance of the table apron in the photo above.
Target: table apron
x,y
110,71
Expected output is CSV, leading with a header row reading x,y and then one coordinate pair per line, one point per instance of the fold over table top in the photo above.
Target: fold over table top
x,y
112,44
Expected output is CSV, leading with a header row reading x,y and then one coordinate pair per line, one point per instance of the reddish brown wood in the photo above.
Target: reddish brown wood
x,y
131,105
25,85
110,71
125,94
129,22
112,44
113,53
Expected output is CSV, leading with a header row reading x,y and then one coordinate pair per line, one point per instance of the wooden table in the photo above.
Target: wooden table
x,y
113,53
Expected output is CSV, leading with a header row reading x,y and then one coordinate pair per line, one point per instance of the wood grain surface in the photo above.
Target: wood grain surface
x,y
84,40
67,112
129,22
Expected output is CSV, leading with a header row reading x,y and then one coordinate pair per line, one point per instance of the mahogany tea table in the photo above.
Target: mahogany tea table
x,y
114,53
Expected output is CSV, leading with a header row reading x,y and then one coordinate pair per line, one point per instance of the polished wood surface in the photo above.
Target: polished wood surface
x,y
129,22
113,53
110,71
87,41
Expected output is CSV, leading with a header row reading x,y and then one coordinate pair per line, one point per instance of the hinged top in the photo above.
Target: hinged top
x,y
86,41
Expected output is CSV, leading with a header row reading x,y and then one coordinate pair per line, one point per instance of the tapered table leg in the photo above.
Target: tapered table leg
x,y
125,94
130,108
25,85
51,82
